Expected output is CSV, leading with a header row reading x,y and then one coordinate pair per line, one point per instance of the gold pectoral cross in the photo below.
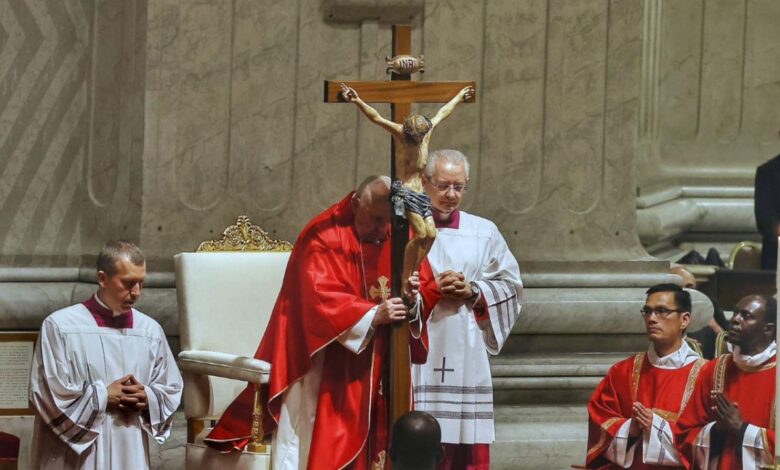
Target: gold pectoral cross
x,y
383,292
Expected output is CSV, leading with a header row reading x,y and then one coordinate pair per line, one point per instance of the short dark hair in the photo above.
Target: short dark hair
x,y
113,251
416,441
681,297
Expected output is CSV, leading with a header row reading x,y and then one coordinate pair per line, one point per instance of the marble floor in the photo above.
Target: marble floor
x,y
526,438
170,455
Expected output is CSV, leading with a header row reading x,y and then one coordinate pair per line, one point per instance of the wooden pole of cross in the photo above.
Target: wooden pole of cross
x,y
400,92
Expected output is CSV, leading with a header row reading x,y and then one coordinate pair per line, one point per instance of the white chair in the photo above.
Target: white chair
x,y
225,295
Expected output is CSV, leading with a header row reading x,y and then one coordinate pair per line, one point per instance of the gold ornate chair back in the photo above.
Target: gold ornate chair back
x,y
745,255
245,236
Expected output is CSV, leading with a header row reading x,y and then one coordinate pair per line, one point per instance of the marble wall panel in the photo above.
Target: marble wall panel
x,y
202,55
621,121
680,62
574,118
723,70
263,93
325,150
718,98
543,73
762,75
561,101
513,91
162,120
45,63
102,168
114,153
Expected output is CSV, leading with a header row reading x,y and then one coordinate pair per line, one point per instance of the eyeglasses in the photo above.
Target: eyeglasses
x,y
444,187
660,312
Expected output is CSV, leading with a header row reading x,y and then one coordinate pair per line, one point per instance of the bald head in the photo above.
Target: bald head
x,y
374,186
371,208
688,279
416,442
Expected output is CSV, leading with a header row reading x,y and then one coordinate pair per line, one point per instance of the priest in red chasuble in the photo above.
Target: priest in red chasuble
x,y
729,423
634,408
327,341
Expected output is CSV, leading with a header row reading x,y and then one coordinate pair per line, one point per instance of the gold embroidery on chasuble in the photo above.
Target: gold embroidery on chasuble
x,y
719,382
603,435
382,292
639,359
689,386
379,463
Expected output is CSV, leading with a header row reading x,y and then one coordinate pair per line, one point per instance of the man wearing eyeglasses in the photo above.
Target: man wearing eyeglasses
x,y
632,412
728,424
479,280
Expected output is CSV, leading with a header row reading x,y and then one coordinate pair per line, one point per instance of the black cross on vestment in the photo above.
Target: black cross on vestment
x,y
443,369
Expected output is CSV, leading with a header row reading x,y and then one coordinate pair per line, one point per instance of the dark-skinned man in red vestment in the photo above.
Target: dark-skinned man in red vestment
x,y
327,341
729,423
632,412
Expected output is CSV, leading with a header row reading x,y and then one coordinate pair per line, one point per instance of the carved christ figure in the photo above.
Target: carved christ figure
x,y
409,200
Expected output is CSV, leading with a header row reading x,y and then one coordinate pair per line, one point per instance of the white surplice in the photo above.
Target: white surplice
x,y
75,361
455,385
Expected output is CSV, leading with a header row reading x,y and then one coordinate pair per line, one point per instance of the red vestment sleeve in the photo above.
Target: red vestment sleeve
x,y
429,291
606,412
695,416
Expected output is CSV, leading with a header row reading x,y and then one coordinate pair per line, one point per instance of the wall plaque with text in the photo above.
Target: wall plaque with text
x,y
16,353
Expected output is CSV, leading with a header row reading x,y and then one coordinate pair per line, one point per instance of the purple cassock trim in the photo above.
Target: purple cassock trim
x,y
105,317
452,222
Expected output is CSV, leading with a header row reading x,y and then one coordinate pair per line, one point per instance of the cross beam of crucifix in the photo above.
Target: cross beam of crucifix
x,y
400,93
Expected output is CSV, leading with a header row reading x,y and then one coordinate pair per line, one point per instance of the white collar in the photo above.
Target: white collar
x,y
743,360
682,357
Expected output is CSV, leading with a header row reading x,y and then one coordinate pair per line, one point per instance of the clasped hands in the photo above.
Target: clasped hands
x,y
453,284
127,394
641,420
728,419
397,308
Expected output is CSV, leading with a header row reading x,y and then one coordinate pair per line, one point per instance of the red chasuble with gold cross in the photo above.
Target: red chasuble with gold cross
x,y
753,390
666,391
331,281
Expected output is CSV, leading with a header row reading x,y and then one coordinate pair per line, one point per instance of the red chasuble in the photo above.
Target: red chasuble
x,y
752,390
331,281
666,391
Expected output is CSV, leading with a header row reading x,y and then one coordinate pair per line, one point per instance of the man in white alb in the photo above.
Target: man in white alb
x,y
481,299
103,377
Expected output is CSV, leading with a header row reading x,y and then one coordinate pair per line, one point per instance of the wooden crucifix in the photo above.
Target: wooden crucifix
x,y
400,92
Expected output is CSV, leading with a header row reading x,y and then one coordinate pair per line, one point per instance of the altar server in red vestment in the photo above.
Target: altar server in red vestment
x,y
634,408
327,341
729,423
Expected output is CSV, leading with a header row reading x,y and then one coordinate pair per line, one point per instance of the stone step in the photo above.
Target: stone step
x,y
552,379
554,365
539,437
